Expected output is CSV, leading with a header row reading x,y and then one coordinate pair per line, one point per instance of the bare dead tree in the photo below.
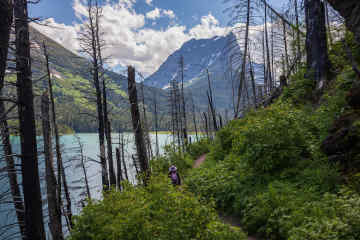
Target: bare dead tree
x,y
61,175
83,166
51,183
119,177
89,45
318,63
34,224
6,18
184,120
136,121
211,102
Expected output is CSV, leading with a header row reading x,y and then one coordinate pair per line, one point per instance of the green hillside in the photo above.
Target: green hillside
x,y
74,92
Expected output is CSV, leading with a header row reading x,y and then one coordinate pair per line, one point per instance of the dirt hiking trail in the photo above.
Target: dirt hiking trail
x,y
231,220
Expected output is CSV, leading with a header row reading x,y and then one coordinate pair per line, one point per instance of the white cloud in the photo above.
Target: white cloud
x,y
154,14
208,27
128,42
148,2
61,33
157,13
169,13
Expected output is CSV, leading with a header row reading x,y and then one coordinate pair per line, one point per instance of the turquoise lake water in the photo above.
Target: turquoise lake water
x,y
70,149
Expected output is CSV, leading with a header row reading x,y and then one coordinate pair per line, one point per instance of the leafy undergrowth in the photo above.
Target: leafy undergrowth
x,y
268,169
158,211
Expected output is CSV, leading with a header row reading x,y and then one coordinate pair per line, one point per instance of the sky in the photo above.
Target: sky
x,y
142,33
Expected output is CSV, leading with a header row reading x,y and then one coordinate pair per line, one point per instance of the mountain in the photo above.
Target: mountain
x,y
201,57
198,55
73,88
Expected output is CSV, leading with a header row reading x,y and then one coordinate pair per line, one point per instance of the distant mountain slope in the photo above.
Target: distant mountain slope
x,y
197,54
202,56
74,90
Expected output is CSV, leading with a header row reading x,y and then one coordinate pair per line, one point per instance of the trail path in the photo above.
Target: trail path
x,y
233,221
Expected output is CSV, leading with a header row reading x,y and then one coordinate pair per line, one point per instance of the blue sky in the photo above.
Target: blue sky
x,y
158,27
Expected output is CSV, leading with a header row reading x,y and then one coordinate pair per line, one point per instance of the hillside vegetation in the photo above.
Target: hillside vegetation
x,y
271,169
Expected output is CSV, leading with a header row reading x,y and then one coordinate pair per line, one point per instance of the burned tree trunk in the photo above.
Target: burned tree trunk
x,y
119,171
61,176
211,102
243,65
51,183
93,47
123,156
6,17
268,66
318,63
34,224
156,126
136,121
183,101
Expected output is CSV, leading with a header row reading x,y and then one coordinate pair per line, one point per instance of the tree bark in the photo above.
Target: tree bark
x,y
51,183
61,175
119,177
99,104
6,18
183,101
268,72
123,156
34,224
349,10
318,63
243,65
136,121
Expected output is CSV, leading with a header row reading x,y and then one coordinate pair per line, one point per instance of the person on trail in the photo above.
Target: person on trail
x,y
174,176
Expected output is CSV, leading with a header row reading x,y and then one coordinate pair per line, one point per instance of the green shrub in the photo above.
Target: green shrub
x,y
158,211
274,139
171,156
198,148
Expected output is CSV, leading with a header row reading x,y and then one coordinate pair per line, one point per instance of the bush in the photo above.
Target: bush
x,y
274,139
171,156
158,211
198,148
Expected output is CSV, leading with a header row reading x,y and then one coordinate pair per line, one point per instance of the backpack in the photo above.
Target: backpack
x,y
174,177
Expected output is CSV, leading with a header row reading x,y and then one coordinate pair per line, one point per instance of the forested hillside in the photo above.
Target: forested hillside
x,y
74,90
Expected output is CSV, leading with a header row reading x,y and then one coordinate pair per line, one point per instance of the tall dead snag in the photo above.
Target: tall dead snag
x,y
122,145
119,177
183,101
6,18
51,183
318,63
211,102
107,123
243,64
136,121
145,124
156,126
253,83
89,45
297,26
34,224
268,66
349,10
83,166
61,175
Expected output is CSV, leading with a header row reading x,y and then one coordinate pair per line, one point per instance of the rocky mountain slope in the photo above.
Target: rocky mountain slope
x,y
201,57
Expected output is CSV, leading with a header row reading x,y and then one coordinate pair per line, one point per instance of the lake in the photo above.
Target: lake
x,y
70,149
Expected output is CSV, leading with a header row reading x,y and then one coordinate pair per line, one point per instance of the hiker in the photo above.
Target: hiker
x,y
174,176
